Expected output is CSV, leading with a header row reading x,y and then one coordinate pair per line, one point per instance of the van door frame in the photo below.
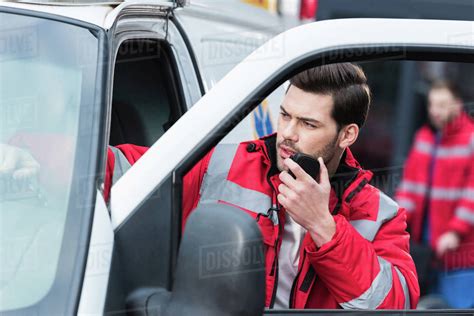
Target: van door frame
x,y
146,24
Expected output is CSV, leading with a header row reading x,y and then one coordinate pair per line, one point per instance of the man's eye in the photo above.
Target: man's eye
x,y
307,124
285,115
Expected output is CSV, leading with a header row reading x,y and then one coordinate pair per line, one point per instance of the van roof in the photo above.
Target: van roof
x,y
103,12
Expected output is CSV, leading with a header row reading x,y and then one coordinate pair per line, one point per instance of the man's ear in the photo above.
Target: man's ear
x,y
348,135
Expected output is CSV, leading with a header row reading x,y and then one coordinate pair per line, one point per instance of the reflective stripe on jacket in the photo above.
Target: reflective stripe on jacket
x,y
367,263
451,195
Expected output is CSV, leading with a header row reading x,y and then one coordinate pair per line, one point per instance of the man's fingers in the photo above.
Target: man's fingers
x,y
25,173
444,245
323,173
452,245
288,180
282,200
296,169
285,202
285,190
9,162
17,163
440,249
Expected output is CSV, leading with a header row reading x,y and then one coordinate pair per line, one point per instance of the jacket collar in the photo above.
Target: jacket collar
x,y
456,124
270,147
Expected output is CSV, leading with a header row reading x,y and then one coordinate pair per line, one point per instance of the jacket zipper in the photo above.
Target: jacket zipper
x,y
275,260
274,271
295,282
275,283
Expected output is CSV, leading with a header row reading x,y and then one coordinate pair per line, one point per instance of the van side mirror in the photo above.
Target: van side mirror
x,y
220,269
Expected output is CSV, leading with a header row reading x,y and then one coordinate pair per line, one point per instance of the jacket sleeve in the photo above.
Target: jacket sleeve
x,y
120,158
192,187
365,274
463,220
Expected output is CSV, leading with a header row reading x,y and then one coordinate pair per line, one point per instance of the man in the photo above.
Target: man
x,y
327,245
337,242
438,191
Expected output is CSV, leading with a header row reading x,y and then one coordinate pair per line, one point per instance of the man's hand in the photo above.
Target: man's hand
x,y
448,241
17,163
307,201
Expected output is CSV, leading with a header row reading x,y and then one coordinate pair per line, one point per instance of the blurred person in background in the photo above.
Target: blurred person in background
x,y
437,190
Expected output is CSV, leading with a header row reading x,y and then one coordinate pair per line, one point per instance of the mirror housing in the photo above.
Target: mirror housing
x,y
221,266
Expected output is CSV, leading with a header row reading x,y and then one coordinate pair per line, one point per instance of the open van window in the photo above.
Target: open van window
x,y
146,96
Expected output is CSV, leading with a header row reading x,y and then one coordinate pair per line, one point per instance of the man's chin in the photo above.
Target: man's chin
x,y
438,126
280,164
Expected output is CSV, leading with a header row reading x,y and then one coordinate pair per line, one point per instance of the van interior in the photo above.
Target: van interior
x,y
146,100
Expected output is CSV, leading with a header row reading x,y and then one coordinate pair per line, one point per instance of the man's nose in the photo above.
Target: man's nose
x,y
290,131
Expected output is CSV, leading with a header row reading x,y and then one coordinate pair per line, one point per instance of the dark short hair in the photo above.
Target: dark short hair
x,y
347,85
448,85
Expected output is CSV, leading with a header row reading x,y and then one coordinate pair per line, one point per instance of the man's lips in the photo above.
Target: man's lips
x,y
286,152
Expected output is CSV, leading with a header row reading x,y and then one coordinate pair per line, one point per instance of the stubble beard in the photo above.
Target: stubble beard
x,y
327,152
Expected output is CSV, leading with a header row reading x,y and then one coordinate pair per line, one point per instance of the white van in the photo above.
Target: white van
x,y
75,77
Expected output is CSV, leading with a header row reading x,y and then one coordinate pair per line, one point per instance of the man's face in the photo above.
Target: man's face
x,y
442,107
305,125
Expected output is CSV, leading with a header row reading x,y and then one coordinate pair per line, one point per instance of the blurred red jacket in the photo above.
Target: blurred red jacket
x,y
447,190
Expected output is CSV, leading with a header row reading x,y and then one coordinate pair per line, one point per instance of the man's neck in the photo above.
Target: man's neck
x,y
333,164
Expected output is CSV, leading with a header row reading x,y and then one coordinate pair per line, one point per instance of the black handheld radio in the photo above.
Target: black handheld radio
x,y
307,163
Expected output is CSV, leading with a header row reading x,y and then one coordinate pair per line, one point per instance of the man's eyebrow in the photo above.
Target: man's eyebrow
x,y
283,109
306,119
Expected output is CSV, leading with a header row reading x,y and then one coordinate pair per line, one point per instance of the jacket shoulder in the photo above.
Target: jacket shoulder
x,y
370,209
424,133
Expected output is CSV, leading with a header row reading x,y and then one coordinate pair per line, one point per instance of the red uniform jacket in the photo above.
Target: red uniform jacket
x,y
366,265
447,190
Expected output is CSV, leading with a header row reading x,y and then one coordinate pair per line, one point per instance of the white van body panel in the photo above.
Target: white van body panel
x,y
223,33
96,277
